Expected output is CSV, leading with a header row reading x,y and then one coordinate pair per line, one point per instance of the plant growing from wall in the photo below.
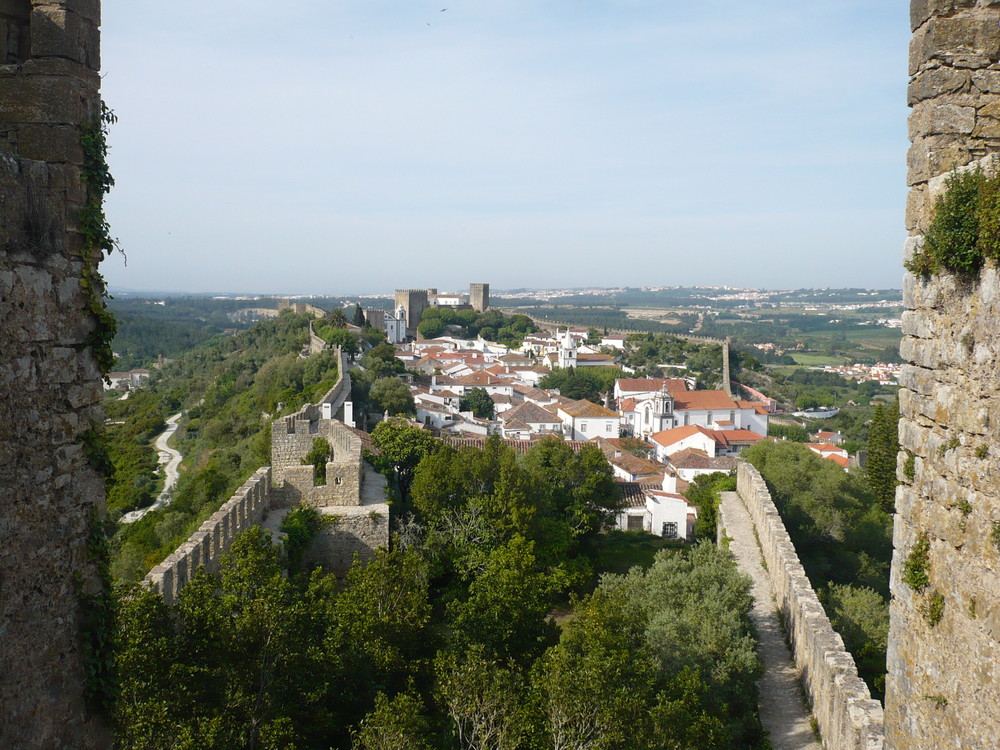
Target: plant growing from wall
x,y
318,457
300,527
935,608
916,568
98,622
96,234
965,229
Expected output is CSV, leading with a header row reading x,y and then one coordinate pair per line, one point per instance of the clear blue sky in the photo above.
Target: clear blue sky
x,y
361,146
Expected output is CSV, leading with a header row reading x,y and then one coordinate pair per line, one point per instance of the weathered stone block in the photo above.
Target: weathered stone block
x,y
935,117
928,84
967,40
934,155
921,10
54,100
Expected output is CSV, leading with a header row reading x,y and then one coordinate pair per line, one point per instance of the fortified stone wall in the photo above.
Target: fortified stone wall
x,y
316,344
352,531
300,308
943,683
848,717
245,509
292,438
49,494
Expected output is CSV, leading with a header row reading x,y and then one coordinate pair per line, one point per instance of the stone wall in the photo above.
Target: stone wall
x,y
943,683
49,85
848,717
292,438
352,531
245,509
316,344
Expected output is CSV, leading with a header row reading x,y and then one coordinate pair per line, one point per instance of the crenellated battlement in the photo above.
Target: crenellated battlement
x,y
848,717
246,508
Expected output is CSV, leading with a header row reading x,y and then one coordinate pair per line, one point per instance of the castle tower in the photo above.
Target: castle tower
x,y
50,496
479,297
414,302
943,683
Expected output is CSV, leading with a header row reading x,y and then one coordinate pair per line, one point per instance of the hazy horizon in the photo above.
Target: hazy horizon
x,y
388,144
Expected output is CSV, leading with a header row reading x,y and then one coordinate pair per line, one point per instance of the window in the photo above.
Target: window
x,y
634,523
669,530
608,427
15,31
583,426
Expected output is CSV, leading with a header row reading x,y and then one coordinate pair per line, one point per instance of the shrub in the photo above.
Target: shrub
x,y
952,240
916,568
935,609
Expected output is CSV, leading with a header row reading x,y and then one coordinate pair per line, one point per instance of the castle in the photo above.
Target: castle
x,y
352,495
943,688
413,302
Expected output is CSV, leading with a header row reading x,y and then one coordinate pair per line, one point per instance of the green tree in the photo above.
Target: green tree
x,y
704,493
599,681
431,328
481,696
861,616
318,457
381,362
883,447
393,396
340,337
400,446
788,432
478,401
394,724
507,603
359,316
383,613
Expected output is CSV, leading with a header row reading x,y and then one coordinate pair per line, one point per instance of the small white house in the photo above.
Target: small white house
x,y
661,513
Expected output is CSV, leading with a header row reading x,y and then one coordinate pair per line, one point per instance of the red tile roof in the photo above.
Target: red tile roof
x,y
692,458
669,437
588,409
519,446
650,385
703,401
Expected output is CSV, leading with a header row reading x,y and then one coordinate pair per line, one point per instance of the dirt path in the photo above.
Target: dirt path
x,y
783,711
170,460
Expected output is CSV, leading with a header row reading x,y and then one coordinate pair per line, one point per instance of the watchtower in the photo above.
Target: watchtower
x,y
479,297
414,302
51,496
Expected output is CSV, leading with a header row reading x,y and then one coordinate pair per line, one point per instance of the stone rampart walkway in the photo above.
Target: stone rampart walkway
x,y
783,711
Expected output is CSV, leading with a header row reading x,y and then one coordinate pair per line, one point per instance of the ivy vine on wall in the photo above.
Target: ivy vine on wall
x,y
97,604
96,232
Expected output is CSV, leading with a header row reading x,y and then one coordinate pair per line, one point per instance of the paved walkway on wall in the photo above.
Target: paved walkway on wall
x,y
783,711
170,460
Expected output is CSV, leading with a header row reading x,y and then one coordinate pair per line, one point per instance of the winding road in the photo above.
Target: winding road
x,y
170,460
